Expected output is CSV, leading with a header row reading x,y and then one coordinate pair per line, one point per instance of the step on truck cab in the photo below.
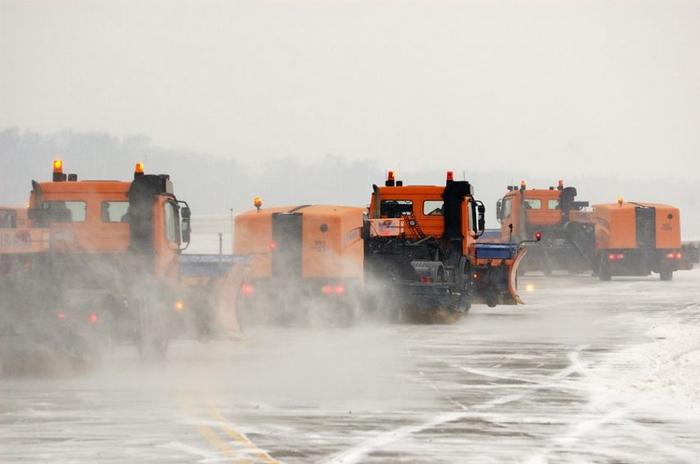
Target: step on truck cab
x,y
421,248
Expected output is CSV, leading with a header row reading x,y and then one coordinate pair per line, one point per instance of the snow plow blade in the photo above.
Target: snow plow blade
x,y
496,272
513,276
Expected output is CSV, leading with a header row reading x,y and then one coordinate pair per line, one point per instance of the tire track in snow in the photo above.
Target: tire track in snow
x,y
356,453
619,414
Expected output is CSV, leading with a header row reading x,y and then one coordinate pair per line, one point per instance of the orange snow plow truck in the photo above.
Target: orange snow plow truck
x,y
307,253
421,247
98,262
623,238
412,253
565,227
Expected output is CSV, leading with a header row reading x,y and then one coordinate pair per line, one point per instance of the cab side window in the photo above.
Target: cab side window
x,y
433,208
65,211
395,208
114,211
171,223
553,204
532,203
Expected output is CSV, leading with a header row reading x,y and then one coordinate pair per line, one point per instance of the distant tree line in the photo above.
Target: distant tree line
x,y
214,185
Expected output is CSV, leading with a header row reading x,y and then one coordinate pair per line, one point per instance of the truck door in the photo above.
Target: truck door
x,y
166,238
287,240
646,226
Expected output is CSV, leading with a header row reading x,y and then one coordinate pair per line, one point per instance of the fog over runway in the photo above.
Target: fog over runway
x,y
586,371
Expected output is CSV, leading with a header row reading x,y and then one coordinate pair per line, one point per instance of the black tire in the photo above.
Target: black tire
x,y
461,304
666,275
604,269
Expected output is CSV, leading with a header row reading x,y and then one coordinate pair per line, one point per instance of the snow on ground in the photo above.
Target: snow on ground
x,y
587,371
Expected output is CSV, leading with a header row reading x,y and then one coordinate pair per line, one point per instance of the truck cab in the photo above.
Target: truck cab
x,y
109,218
523,211
554,218
419,211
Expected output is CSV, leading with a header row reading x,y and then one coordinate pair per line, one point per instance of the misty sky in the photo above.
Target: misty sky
x,y
555,88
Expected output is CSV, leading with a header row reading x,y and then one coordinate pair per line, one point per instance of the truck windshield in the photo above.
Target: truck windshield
x,y
65,211
171,223
396,208
507,207
114,211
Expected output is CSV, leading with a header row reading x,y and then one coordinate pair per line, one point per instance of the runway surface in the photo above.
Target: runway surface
x,y
587,371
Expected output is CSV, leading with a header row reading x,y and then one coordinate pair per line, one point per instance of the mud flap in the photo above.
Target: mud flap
x,y
513,278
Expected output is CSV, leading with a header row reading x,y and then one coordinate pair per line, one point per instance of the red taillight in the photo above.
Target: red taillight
x,y
674,255
616,256
273,246
426,279
538,236
61,315
93,317
330,289
247,289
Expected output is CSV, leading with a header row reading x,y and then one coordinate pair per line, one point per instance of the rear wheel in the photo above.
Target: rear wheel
x,y
604,268
460,304
666,274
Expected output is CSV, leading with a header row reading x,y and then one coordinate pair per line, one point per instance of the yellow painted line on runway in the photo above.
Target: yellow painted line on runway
x,y
219,443
240,437
211,436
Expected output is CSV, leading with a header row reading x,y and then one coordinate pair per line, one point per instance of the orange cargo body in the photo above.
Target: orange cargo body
x,y
13,217
616,225
331,242
304,263
633,238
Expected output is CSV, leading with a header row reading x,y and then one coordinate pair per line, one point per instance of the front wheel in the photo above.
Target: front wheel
x,y
153,336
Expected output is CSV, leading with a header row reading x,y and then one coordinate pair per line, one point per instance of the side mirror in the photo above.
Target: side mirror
x,y
499,210
186,227
481,209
